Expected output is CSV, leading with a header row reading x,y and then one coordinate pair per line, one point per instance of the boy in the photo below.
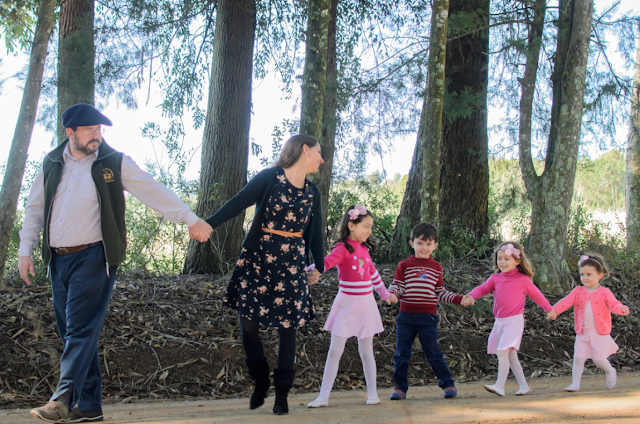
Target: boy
x,y
418,285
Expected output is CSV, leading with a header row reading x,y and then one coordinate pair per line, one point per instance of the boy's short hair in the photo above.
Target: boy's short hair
x,y
425,231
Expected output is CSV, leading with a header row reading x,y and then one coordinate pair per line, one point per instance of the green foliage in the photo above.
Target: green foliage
x,y
461,105
17,23
462,243
600,183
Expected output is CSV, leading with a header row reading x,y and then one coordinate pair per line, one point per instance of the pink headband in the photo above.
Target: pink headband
x,y
508,249
357,211
585,258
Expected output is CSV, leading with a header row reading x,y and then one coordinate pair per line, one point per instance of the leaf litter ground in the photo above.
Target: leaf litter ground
x,y
170,337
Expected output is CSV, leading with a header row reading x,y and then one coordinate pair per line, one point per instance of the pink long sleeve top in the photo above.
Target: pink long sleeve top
x,y
603,302
510,290
357,273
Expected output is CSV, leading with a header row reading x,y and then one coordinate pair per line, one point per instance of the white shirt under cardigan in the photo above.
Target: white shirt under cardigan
x,y
75,213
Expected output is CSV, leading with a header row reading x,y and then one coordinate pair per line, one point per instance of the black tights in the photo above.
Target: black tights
x,y
252,344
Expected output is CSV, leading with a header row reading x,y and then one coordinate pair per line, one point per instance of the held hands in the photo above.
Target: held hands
x,y
200,231
392,300
553,315
624,310
313,276
467,300
25,264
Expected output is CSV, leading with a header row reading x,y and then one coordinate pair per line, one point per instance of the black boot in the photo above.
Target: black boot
x,y
259,373
283,381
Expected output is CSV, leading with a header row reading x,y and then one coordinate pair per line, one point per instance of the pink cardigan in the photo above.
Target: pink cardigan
x,y
603,302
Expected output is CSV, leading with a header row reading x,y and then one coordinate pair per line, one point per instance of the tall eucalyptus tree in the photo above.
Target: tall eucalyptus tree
x,y
633,164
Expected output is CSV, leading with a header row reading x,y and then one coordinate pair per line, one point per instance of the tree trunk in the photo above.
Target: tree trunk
x,y
633,165
315,68
551,192
24,128
225,144
329,119
76,55
433,103
464,174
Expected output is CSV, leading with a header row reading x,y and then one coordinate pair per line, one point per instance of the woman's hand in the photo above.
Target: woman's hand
x,y
313,276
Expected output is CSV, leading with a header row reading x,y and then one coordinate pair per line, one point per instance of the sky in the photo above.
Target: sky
x,y
269,109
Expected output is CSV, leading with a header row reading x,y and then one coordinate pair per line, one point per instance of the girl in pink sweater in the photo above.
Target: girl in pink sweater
x,y
510,286
592,307
354,311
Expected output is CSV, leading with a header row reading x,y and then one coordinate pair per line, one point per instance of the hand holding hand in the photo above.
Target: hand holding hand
x,y
313,276
392,300
552,315
25,264
200,231
467,300
625,310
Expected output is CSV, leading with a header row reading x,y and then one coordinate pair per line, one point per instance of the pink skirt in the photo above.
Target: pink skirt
x,y
506,334
354,315
591,345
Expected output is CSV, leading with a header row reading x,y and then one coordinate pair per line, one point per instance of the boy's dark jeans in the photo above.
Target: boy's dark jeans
x,y
425,326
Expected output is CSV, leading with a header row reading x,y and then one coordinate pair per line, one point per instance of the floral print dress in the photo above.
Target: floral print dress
x,y
269,286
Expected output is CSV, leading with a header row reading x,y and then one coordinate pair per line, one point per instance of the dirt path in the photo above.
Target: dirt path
x,y
547,403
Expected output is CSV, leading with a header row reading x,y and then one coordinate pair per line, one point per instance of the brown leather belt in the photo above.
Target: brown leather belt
x,y
66,250
282,233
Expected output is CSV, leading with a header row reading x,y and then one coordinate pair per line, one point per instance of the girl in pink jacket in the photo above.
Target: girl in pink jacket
x,y
593,305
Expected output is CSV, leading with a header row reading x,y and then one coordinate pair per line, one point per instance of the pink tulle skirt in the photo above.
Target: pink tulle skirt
x,y
506,334
591,345
354,315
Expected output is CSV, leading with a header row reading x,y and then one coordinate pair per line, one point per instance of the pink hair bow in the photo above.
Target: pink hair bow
x,y
357,211
585,258
510,250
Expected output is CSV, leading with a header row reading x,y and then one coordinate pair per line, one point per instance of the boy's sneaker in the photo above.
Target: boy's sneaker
x,y
450,392
398,395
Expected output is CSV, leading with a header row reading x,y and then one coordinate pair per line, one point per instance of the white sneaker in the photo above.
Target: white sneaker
x,y
612,379
572,388
494,389
523,391
373,400
318,403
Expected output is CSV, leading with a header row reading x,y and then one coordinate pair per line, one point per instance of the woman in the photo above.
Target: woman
x,y
269,285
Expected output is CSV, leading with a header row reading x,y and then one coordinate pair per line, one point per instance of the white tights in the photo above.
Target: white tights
x,y
365,347
578,368
509,359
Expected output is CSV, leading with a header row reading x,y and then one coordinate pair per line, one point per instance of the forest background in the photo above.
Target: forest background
x,y
165,52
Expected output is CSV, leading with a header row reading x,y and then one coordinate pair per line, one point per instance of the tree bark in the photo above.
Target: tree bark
x,y
633,165
315,68
551,192
329,119
24,128
225,144
433,104
76,55
464,174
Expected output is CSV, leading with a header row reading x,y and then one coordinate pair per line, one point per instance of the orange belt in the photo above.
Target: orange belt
x,y
282,233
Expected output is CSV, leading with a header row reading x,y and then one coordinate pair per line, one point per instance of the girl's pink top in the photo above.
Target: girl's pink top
x,y
510,290
603,302
356,272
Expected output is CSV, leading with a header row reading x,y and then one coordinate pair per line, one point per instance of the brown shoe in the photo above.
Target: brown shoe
x,y
52,412
78,416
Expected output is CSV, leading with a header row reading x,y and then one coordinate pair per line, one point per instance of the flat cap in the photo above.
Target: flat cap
x,y
83,115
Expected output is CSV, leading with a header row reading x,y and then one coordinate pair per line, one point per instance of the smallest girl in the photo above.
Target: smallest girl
x,y
510,287
592,305
354,311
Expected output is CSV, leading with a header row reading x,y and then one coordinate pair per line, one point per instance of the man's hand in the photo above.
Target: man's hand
x,y
313,276
467,300
552,315
200,231
392,300
25,264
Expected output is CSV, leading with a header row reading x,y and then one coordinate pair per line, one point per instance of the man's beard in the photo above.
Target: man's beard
x,y
86,149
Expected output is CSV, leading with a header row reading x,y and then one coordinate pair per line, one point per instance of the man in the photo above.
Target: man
x,y
77,200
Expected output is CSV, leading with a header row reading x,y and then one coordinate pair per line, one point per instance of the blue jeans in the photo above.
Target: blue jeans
x,y
81,293
426,327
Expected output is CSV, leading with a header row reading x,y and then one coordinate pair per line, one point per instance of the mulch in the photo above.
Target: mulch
x,y
170,337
